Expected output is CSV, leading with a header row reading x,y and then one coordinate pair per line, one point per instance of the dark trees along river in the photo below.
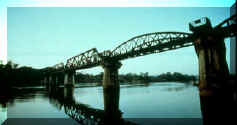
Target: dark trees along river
x,y
13,75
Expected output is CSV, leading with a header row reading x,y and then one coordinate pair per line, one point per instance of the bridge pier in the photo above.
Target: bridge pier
x,y
56,81
53,82
69,78
45,80
50,80
111,90
216,97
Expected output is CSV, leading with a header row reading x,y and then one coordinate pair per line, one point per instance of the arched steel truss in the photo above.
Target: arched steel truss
x,y
151,43
228,27
227,22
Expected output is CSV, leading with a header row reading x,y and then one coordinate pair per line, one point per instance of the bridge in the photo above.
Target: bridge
x,y
209,45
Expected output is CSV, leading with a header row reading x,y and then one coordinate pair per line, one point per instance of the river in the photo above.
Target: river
x,y
157,100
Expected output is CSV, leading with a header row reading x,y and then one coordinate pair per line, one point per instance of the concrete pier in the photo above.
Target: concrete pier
x,y
56,81
45,80
216,97
111,89
53,82
69,78
50,80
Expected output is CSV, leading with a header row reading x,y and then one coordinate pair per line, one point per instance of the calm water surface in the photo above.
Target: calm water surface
x,y
158,100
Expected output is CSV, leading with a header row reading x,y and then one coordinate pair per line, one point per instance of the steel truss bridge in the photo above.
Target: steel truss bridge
x,y
210,49
141,45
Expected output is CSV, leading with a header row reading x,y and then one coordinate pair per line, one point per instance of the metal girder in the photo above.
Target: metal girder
x,y
151,43
84,60
228,22
228,27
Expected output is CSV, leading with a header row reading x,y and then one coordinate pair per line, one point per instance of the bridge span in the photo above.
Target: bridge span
x,y
210,48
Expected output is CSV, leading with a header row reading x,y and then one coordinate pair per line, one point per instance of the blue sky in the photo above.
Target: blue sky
x,y
44,36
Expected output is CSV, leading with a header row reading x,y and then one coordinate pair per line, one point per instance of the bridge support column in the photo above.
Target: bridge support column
x,y
56,81
69,78
41,82
73,78
111,90
65,79
216,97
50,80
45,81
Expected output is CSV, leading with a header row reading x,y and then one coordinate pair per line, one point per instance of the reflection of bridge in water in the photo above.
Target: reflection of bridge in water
x,y
215,90
82,113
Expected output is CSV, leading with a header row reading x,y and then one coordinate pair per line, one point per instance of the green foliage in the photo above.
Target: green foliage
x,y
88,78
133,78
176,77
12,75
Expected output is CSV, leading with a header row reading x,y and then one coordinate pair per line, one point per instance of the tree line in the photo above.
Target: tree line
x,y
13,75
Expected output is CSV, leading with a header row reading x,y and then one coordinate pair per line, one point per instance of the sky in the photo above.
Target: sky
x,y
44,36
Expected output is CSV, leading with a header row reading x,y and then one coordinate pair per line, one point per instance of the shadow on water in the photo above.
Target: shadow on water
x,y
62,98
9,96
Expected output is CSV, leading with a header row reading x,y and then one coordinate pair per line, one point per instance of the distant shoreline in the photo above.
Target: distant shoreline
x,y
84,85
